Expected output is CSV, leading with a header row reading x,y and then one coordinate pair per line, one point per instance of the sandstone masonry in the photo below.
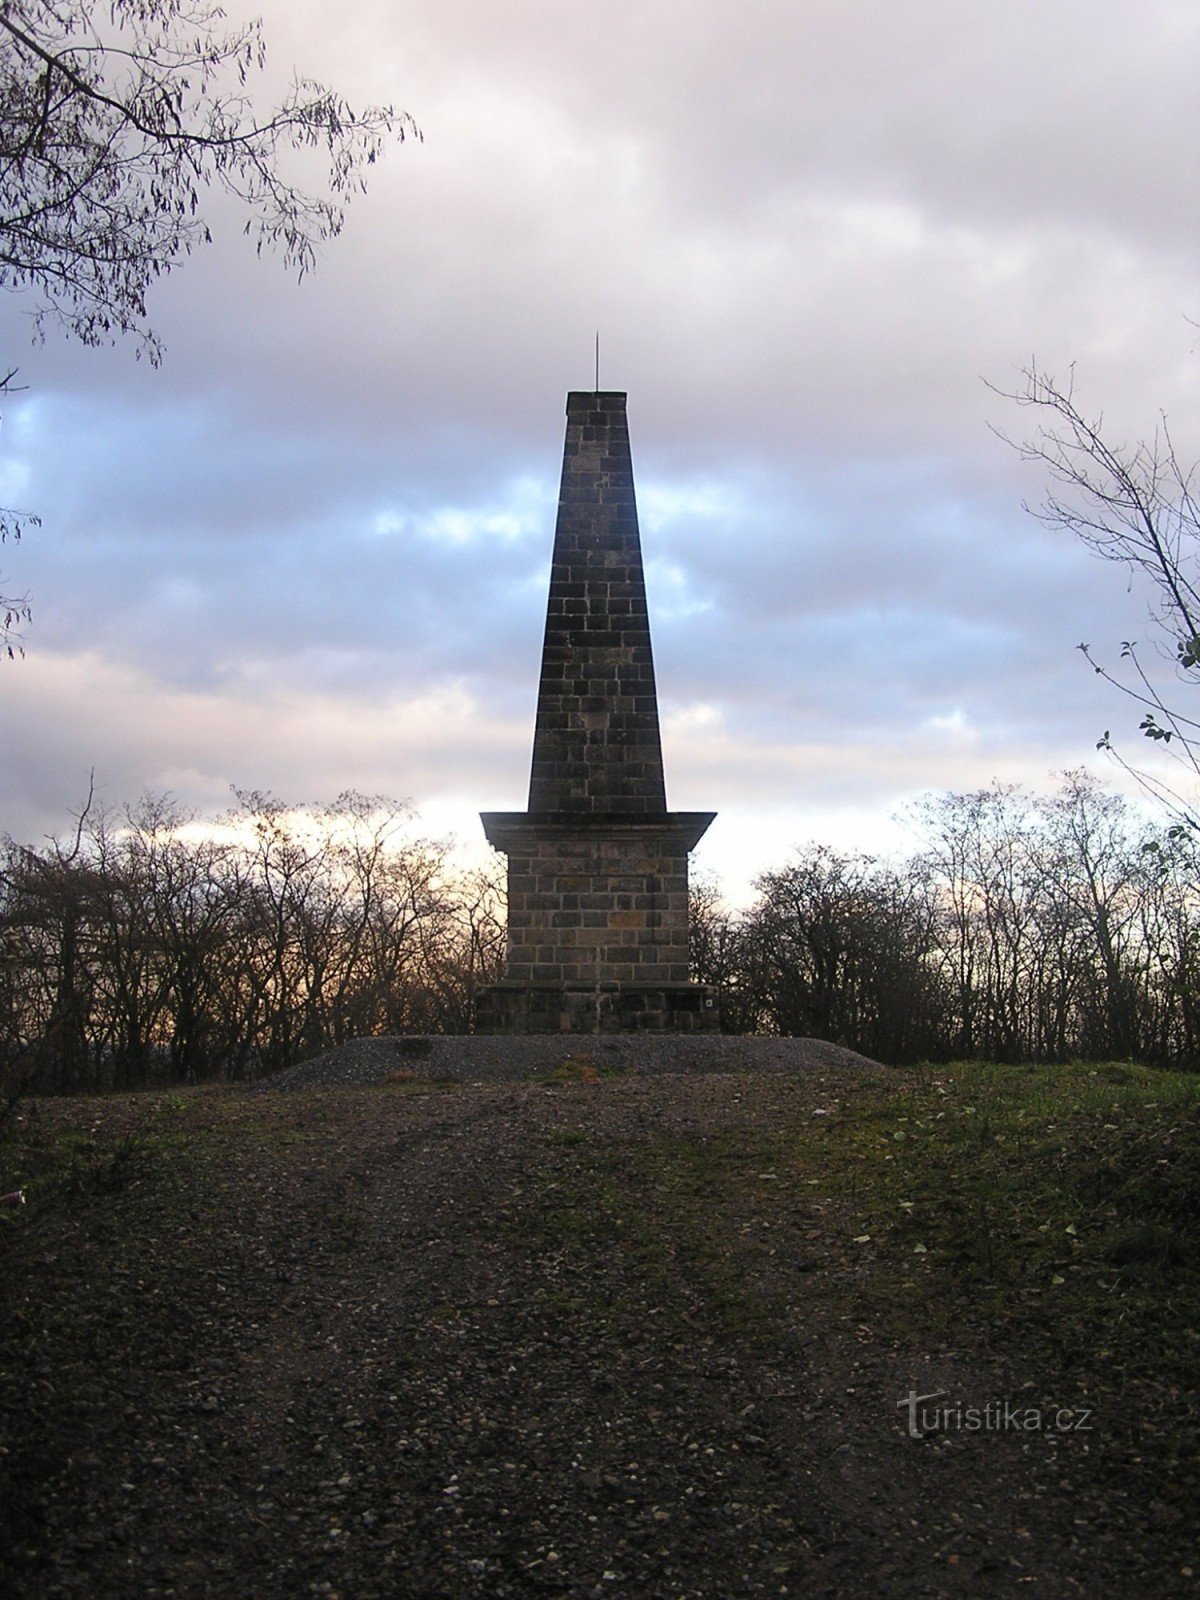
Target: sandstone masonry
x,y
597,866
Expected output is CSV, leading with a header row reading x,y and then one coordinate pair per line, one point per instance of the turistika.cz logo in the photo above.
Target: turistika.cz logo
x,y
997,1416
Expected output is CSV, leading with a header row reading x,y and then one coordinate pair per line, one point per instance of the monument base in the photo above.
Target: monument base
x,y
514,1008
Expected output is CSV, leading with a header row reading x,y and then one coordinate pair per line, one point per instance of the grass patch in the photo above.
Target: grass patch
x,y
1031,1207
78,1166
1026,1206
1022,1194
582,1068
405,1081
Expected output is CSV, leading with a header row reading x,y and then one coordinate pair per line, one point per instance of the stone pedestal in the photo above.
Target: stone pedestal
x,y
597,925
511,1007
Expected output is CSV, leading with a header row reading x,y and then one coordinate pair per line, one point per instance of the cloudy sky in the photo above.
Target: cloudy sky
x,y
310,552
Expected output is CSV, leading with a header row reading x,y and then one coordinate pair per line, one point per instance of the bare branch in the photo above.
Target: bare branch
x,y
1135,505
116,116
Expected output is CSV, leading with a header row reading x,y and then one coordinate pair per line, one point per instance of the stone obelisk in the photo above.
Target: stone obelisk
x,y
597,866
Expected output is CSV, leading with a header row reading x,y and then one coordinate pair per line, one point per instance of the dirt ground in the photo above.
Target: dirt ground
x,y
515,1339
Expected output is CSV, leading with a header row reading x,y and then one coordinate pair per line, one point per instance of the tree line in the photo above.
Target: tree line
x,y
149,949
1021,928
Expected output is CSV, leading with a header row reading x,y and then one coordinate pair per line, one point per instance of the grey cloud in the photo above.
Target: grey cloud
x,y
805,232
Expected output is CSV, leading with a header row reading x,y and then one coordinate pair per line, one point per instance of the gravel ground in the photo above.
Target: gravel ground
x,y
492,1340
482,1058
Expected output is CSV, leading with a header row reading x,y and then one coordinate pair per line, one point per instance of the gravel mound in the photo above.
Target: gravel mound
x,y
487,1057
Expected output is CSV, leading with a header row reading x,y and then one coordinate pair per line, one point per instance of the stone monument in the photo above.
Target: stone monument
x,y
597,866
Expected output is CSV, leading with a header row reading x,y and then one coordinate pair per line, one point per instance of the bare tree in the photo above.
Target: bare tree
x,y
836,946
1090,860
718,948
981,854
1133,504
